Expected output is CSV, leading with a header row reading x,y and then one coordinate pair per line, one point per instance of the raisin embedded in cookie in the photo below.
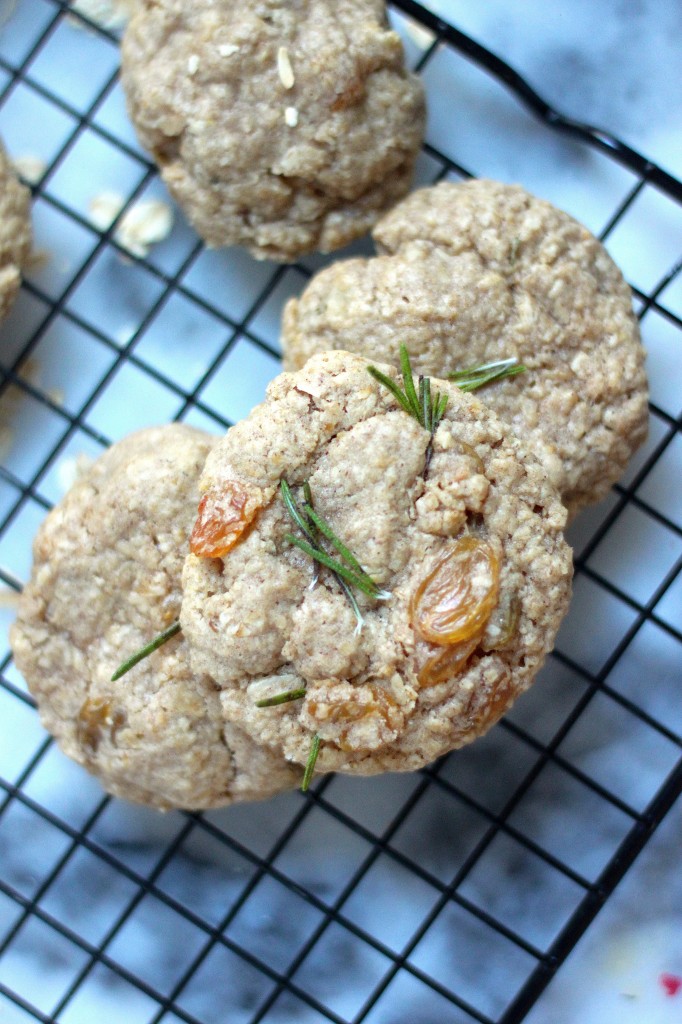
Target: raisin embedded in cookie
x,y
106,579
15,232
480,271
286,127
458,574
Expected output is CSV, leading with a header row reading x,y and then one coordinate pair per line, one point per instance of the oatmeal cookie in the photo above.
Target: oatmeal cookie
x,y
286,127
469,273
15,232
106,579
464,532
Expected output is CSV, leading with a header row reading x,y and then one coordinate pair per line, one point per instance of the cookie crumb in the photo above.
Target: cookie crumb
x,y
108,14
30,167
291,117
143,225
284,68
105,208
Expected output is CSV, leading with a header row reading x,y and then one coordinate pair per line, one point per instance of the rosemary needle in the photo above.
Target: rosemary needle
x,y
327,532
475,377
281,698
348,573
364,583
408,384
293,510
308,495
310,765
145,651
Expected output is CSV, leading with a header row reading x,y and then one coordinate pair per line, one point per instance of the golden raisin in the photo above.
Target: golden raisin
x,y
350,712
453,603
94,717
465,449
446,662
223,517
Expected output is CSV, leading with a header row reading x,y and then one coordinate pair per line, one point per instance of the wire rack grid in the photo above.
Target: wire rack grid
x,y
451,895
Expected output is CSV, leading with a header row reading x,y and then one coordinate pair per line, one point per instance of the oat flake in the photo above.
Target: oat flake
x,y
143,225
284,68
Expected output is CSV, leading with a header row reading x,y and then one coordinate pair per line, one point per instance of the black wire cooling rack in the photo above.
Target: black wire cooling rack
x,y
451,895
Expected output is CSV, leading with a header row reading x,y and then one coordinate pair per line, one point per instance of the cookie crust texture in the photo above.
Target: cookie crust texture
x,y
106,579
468,273
15,232
257,627
286,126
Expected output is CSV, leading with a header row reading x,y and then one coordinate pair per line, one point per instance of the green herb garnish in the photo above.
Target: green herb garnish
x,y
428,409
310,765
475,377
346,569
281,698
145,651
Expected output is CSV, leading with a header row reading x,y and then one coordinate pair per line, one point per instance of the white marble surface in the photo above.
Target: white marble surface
x,y
614,64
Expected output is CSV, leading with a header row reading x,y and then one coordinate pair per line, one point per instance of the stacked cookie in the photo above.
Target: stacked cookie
x,y
106,578
456,578
480,271
365,572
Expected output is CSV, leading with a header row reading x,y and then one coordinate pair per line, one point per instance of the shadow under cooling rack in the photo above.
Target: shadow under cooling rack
x,y
453,894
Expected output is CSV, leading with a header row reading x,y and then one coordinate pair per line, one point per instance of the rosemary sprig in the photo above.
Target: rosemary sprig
x,y
145,651
310,765
281,698
475,377
347,570
428,409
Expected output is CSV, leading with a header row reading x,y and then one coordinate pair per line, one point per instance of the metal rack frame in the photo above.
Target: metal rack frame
x,y
543,962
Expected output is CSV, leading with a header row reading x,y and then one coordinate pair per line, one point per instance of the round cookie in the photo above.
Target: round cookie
x,y
106,580
474,272
466,528
15,232
286,127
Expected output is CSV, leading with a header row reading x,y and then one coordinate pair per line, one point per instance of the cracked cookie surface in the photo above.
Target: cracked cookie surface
x,y
286,127
480,271
471,550
105,581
